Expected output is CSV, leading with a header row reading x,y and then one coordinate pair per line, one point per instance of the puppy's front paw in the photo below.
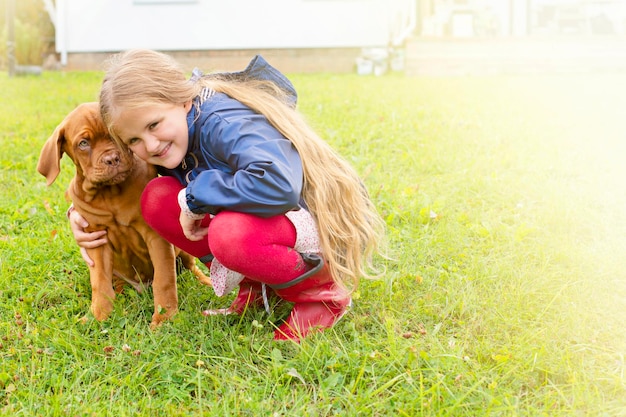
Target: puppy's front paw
x,y
160,315
101,308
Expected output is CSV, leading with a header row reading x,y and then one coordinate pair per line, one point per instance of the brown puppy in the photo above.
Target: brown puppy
x,y
106,191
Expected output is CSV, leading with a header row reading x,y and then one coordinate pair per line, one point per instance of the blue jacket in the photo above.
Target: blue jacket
x,y
236,159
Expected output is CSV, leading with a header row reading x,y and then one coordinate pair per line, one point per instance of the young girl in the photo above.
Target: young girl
x,y
246,186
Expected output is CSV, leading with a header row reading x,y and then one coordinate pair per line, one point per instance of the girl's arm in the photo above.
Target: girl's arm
x,y
85,240
259,171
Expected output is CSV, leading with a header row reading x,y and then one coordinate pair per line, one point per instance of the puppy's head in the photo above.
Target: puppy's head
x,y
84,138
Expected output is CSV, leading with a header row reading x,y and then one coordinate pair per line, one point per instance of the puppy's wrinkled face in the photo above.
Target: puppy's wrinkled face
x,y
93,151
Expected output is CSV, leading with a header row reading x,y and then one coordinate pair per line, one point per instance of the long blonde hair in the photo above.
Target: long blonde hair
x,y
349,226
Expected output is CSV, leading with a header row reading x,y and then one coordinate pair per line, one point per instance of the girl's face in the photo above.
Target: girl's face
x,y
156,133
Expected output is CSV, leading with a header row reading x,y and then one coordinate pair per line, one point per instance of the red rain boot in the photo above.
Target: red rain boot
x,y
250,294
318,302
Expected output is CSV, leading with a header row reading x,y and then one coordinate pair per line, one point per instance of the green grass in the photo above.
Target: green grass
x,y
505,202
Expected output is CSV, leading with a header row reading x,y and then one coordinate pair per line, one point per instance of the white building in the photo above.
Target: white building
x,y
229,31
331,35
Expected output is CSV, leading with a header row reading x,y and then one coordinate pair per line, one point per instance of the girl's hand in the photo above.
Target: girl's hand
x,y
192,228
85,240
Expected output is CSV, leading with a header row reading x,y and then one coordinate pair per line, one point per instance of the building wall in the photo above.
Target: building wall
x,y
113,25
330,60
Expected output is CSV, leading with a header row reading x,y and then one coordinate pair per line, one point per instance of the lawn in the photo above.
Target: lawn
x,y
504,294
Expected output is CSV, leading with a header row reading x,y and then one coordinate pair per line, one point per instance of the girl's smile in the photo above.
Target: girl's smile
x,y
162,153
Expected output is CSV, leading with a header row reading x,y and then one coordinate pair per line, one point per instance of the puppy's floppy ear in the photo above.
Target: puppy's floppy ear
x,y
49,164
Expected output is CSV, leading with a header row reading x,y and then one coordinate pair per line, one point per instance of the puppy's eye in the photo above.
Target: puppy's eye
x,y
83,144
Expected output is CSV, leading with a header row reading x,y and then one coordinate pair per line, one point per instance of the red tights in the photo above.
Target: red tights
x,y
257,247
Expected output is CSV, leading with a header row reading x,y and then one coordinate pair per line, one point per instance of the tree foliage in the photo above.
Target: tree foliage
x,y
34,32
